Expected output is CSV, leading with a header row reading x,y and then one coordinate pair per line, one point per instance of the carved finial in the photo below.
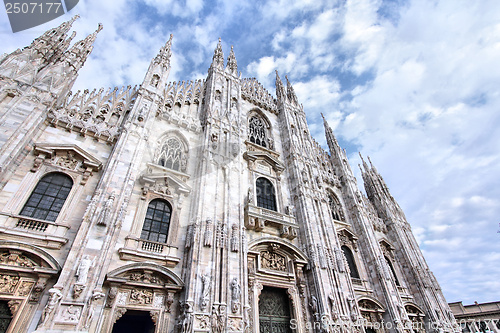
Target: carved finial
x,y
280,89
290,93
231,62
365,166
218,58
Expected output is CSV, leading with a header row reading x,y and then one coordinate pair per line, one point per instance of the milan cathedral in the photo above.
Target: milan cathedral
x,y
193,206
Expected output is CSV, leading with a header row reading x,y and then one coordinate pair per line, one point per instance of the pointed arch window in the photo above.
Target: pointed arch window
x,y
157,221
393,272
266,197
335,208
48,197
257,132
172,156
350,261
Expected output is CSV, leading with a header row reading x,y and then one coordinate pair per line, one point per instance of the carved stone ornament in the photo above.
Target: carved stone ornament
x,y
206,286
16,258
273,261
37,290
141,296
235,295
113,291
54,299
234,238
218,321
77,290
186,318
119,313
208,236
8,283
202,322
14,306
24,288
71,314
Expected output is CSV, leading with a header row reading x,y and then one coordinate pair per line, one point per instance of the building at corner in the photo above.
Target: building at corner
x,y
193,206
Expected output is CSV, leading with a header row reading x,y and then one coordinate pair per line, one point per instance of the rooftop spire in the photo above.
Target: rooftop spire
x,y
53,43
231,62
79,52
291,93
163,56
330,138
218,58
280,89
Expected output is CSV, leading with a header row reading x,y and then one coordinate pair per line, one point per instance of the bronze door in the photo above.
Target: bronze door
x,y
274,311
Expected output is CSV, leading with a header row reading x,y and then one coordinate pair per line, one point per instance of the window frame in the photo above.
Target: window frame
x,y
273,194
353,261
65,202
145,220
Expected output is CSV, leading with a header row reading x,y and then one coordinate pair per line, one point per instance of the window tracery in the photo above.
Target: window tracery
x,y
172,155
350,261
257,132
336,208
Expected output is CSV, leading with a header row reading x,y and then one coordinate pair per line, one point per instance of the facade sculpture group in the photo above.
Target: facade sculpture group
x,y
197,206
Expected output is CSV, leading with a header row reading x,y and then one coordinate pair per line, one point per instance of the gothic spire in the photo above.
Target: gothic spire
x,y
53,43
218,58
232,66
280,89
163,56
79,52
290,93
330,137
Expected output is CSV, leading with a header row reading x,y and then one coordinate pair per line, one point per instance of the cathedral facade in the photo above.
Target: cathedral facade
x,y
193,206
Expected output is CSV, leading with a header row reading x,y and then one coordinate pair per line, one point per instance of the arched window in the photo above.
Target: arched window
x,y
350,261
172,156
393,272
257,132
157,221
265,194
48,197
335,208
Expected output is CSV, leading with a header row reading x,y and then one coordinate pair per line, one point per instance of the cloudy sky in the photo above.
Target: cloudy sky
x,y
413,84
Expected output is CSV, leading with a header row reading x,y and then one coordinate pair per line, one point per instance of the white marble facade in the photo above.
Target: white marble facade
x,y
194,206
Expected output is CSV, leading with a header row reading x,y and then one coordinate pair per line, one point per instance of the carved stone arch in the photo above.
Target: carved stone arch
x,y
37,257
290,248
416,316
171,279
335,205
146,287
370,303
348,238
265,139
282,270
166,146
387,248
371,311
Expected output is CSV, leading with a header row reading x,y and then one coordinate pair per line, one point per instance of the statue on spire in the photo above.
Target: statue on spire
x,y
291,93
163,57
280,89
232,66
218,58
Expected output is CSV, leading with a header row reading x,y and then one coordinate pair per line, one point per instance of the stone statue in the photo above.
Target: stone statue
x,y
235,295
82,271
54,298
205,279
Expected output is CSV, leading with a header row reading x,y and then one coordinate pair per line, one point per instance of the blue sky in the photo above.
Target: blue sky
x,y
413,84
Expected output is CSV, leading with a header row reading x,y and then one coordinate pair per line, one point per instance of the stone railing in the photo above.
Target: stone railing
x,y
137,249
256,218
47,234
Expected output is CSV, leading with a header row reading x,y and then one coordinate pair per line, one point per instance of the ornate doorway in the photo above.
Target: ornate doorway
x,y
134,321
274,311
5,316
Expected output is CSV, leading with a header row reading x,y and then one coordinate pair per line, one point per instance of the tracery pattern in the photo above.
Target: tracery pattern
x,y
171,155
257,132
